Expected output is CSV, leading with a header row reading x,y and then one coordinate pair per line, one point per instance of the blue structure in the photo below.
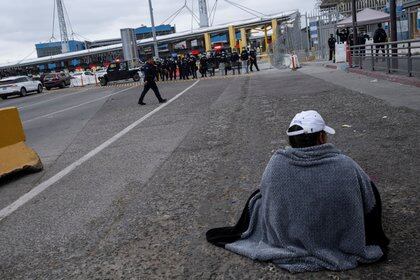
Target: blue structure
x,y
223,38
144,32
53,48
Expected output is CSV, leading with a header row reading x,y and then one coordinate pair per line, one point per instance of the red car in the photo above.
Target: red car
x,y
60,80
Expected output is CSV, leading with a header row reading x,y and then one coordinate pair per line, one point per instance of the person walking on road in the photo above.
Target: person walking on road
x,y
253,60
331,46
245,59
380,37
150,75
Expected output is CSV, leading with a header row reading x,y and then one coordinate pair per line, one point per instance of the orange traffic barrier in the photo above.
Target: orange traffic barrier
x,y
15,155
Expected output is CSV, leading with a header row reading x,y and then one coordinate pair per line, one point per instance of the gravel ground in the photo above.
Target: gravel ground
x,y
156,229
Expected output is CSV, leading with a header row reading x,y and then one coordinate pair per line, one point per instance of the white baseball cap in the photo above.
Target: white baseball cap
x,y
311,122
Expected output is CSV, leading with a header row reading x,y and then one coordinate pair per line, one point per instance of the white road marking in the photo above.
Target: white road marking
x,y
57,177
76,106
46,101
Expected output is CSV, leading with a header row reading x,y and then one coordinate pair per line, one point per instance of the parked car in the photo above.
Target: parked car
x,y
119,71
19,85
60,80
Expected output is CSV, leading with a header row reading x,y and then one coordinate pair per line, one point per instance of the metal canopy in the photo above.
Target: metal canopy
x,y
365,17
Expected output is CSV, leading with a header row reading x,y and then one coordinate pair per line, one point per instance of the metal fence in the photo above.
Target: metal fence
x,y
391,57
326,24
290,40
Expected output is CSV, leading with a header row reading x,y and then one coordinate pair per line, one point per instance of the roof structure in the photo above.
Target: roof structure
x,y
330,3
365,17
147,29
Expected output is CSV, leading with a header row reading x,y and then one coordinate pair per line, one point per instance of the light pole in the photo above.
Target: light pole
x,y
354,21
155,45
393,31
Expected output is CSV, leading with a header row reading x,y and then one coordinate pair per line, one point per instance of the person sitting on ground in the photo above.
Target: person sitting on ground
x,y
316,208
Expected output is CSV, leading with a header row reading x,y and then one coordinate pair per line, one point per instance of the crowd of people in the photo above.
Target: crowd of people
x,y
186,66
344,35
189,66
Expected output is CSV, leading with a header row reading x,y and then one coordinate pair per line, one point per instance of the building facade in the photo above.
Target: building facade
x,y
53,48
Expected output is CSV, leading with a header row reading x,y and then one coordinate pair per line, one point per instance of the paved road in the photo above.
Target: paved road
x,y
139,208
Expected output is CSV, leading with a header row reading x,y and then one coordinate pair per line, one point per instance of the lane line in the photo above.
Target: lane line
x,y
46,101
15,101
57,177
76,106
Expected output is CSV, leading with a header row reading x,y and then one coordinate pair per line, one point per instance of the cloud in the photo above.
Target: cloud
x,y
26,22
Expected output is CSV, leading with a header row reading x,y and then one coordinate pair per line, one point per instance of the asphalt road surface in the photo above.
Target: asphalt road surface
x,y
129,191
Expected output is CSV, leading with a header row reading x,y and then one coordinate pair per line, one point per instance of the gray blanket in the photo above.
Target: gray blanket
x,y
309,214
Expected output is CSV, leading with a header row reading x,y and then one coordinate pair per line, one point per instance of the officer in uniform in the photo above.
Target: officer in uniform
x,y
172,68
203,66
331,45
235,62
245,59
150,74
253,60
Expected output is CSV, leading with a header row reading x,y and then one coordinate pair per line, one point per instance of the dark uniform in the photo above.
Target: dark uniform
x,y
193,67
150,74
253,60
203,66
343,34
234,58
184,69
164,74
172,69
331,45
380,37
245,59
228,64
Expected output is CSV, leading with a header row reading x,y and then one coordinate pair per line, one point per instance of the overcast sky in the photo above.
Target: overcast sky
x,y
26,22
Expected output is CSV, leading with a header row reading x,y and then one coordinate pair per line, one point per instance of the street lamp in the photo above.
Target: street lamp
x,y
155,45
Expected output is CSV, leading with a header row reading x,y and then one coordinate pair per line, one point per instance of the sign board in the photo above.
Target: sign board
x,y
340,52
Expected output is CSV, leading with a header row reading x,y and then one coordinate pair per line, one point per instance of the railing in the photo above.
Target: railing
x,y
392,57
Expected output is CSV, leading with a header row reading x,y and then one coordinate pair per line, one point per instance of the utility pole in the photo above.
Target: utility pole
x,y
152,19
204,16
354,20
63,27
393,19
308,34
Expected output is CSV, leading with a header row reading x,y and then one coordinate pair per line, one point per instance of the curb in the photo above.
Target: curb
x,y
382,76
392,78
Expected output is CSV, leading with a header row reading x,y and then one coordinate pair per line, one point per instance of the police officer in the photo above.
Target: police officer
x,y
203,66
164,74
380,37
172,69
235,62
245,59
228,63
150,75
331,45
253,60
193,67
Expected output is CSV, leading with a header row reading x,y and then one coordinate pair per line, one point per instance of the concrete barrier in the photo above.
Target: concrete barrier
x,y
15,155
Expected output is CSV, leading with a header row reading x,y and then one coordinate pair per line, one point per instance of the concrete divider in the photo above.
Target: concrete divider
x,y
15,155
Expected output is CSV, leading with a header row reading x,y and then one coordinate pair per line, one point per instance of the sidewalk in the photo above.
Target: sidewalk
x,y
397,78
394,93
